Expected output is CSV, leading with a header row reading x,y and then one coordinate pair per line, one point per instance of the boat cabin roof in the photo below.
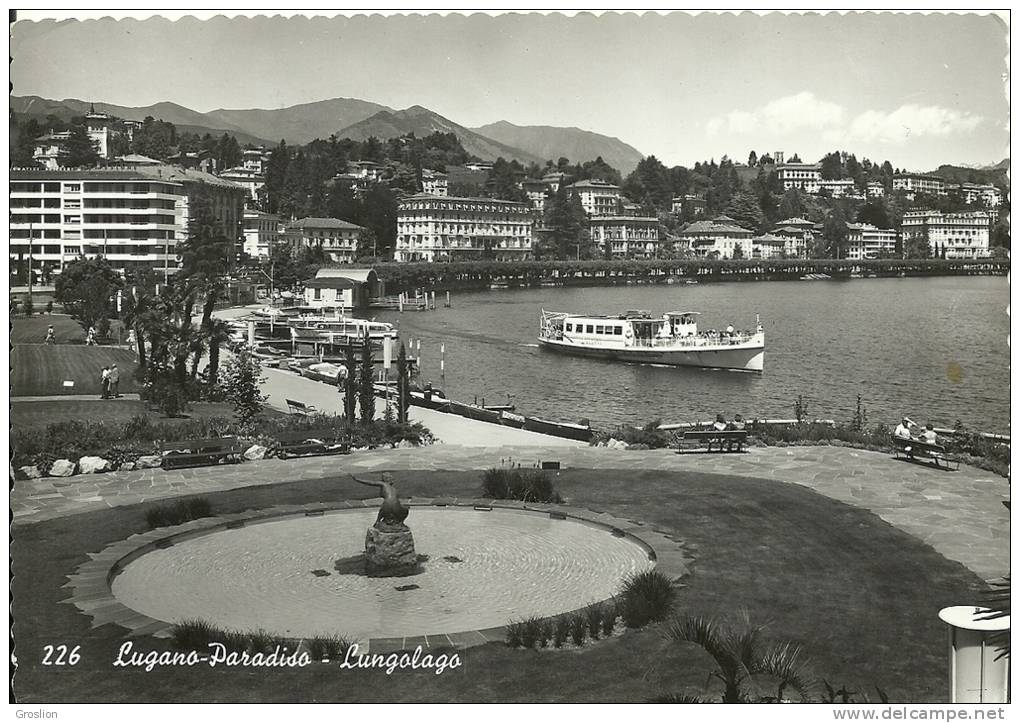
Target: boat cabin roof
x,y
683,313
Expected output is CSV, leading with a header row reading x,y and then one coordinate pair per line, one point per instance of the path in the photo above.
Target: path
x,y
959,513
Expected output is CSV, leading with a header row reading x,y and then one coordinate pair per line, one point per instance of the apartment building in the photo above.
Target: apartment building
x,y
247,177
960,235
802,176
438,228
718,237
865,241
261,233
134,216
434,183
875,189
599,198
837,188
337,239
919,183
627,236
985,194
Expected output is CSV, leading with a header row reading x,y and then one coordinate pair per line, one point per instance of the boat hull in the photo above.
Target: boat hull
x,y
745,357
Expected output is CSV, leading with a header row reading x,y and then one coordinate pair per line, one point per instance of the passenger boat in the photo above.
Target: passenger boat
x,y
672,339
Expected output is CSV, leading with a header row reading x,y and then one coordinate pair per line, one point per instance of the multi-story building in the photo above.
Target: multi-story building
x,y
338,239
802,176
796,240
136,217
720,237
47,149
958,235
628,236
599,198
837,188
255,159
875,189
865,241
556,179
696,205
983,193
436,228
766,246
919,183
537,192
249,178
261,233
479,165
434,183
99,128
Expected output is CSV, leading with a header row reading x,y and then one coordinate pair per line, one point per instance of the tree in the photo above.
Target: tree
x,y
917,246
79,150
218,335
746,211
874,213
240,383
403,385
832,166
350,393
567,223
23,152
87,288
835,234
744,663
366,381
651,181
752,159
791,205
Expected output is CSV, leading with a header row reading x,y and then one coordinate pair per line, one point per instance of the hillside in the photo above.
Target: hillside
x,y
186,120
996,174
422,122
550,142
298,124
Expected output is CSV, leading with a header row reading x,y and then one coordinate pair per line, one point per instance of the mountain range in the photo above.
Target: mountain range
x,y
357,119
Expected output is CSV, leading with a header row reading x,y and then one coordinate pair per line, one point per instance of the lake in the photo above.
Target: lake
x,y
934,349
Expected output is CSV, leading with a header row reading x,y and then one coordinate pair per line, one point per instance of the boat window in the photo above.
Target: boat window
x,y
618,330
590,328
570,327
598,329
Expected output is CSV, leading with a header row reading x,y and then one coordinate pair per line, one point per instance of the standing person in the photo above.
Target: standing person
x,y
104,381
114,381
90,338
50,338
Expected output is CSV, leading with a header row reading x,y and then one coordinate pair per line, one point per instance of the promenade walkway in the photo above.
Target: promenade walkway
x,y
960,513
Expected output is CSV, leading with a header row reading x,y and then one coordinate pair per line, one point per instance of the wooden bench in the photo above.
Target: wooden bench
x,y
914,449
728,440
301,408
201,452
311,443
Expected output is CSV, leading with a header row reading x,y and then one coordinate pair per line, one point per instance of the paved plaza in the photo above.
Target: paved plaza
x,y
960,513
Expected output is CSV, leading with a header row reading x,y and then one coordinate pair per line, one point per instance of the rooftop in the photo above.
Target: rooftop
x,y
161,172
594,183
312,222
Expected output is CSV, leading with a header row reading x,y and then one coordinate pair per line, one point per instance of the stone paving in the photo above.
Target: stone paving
x,y
958,513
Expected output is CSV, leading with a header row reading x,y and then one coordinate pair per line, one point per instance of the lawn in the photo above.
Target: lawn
x,y
861,596
32,329
41,369
25,415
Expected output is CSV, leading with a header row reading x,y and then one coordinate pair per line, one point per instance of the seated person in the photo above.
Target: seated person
x,y
737,423
720,423
928,436
903,429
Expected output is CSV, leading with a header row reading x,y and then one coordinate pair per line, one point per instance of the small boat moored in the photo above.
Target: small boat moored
x,y
672,339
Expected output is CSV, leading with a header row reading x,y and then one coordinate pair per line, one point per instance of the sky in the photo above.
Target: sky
x,y
917,90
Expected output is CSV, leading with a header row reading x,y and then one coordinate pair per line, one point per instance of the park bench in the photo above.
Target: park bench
x,y
311,442
729,440
201,452
301,408
913,449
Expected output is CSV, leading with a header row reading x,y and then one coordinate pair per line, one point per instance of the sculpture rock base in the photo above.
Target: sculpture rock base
x,y
390,549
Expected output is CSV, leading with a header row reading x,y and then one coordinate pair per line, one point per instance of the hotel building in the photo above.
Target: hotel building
x,y
136,217
628,236
865,241
919,183
599,198
802,176
338,239
437,228
261,233
961,235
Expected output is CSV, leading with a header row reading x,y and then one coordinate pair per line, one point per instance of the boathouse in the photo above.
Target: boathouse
x,y
346,288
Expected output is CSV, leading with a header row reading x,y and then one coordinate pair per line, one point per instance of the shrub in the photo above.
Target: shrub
x,y
261,641
516,484
593,618
240,380
515,633
577,629
545,631
646,437
28,306
608,618
194,634
328,647
531,632
561,630
49,306
178,512
646,597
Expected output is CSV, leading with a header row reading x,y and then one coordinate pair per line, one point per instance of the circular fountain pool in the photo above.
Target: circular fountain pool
x,y
483,568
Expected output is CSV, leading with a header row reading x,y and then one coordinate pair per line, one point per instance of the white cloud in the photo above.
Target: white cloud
x,y
802,111
910,121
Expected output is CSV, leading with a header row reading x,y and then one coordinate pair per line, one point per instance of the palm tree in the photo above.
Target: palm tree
x,y
741,656
218,335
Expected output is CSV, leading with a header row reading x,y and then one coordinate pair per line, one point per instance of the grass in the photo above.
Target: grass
x,y
177,512
40,369
27,415
32,329
859,595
